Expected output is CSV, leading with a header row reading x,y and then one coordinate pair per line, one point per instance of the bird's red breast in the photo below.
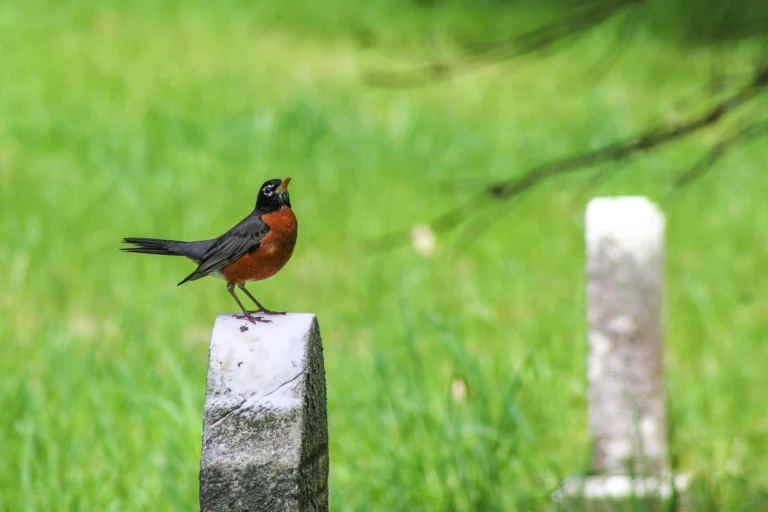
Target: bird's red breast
x,y
275,250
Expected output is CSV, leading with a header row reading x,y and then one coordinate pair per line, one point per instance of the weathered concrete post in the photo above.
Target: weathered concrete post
x,y
627,414
265,433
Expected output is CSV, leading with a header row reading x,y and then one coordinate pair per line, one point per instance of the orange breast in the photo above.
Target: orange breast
x,y
275,251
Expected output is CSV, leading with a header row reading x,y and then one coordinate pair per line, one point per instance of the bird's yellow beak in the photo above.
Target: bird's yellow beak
x,y
284,184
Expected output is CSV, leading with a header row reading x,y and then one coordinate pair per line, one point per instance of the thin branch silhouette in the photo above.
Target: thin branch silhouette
x,y
617,151
718,151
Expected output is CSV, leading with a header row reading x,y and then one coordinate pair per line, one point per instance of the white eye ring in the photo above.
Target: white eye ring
x,y
268,191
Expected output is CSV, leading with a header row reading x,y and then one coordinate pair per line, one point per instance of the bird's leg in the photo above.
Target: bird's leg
x,y
246,314
261,309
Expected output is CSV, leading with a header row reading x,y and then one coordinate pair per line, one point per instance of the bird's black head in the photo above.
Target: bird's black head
x,y
274,195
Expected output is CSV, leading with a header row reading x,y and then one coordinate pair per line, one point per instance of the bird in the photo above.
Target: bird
x,y
257,248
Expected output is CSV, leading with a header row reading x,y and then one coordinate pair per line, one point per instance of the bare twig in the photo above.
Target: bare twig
x,y
620,45
717,152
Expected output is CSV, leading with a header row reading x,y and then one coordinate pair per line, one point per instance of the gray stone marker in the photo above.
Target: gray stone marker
x,y
627,415
265,431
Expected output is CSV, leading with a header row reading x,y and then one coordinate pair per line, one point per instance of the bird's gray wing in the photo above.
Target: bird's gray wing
x,y
243,239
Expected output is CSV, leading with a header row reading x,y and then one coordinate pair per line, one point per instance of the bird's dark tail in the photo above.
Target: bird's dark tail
x,y
153,246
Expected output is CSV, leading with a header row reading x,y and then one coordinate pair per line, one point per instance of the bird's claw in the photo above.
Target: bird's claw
x,y
252,319
268,312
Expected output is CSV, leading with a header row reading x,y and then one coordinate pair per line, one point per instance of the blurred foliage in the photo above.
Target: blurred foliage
x,y
542,26
708,21
700,21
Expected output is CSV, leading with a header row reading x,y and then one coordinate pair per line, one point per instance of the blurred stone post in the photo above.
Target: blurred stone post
x,y
625,259
627,415
265,433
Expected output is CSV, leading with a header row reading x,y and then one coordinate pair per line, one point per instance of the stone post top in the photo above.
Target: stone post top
x,y
246,359
611,215
632,223
280,326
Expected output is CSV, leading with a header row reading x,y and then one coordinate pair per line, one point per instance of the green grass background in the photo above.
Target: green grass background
x,y
163,119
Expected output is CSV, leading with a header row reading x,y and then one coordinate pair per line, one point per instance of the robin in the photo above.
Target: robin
x,y
255,249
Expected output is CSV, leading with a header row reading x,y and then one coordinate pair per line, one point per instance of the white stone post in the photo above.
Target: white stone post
x,y
265,433
625,259
627,415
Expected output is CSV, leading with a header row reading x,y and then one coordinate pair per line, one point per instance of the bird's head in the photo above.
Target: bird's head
x,y
274,195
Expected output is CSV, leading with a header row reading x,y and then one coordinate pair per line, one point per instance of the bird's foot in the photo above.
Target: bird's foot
x,y
264,311
251,318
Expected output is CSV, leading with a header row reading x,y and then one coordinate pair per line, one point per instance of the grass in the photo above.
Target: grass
x,y
455,382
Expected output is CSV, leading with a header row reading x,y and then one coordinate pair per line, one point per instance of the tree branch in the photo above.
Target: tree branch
x,y
651,139
717,152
